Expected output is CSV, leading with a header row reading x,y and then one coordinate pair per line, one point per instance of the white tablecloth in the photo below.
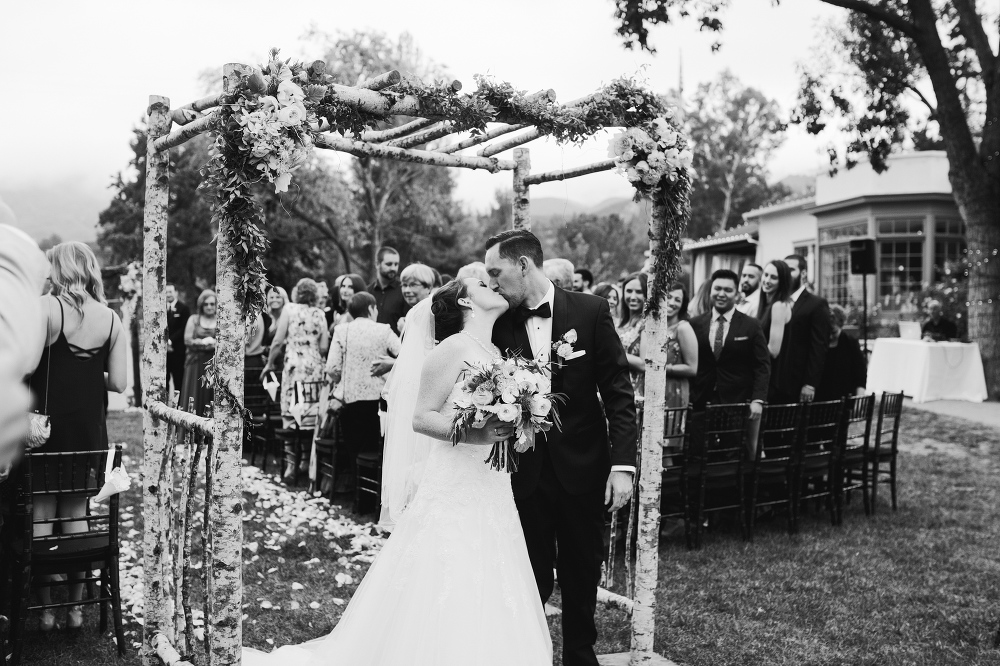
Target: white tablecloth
x,y
927,370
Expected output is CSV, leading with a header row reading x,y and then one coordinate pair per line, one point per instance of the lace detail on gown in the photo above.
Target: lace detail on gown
x,y
452,585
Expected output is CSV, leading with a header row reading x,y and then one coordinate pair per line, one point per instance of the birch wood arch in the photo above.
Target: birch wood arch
x,y
361,120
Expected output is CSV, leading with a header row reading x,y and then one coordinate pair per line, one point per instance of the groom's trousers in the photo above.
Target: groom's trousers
x,y
567,531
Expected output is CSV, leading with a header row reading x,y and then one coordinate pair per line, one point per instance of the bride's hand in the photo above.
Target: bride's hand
x,y
493,431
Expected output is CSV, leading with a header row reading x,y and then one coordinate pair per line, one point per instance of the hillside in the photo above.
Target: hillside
x,y
67,209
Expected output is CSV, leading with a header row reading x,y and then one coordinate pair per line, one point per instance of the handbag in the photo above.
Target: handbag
x,y
40,425
336,402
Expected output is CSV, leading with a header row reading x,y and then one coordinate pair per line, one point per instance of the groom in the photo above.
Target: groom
x,y
564,487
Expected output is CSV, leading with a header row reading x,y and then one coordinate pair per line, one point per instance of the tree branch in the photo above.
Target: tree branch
x,y
923,98
891,19
971,25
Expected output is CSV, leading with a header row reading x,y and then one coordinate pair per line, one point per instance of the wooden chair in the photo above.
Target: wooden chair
x,y
60,474
258,438
369,482
816,458
774,461
296,441
717,462
674,493
326,456
883,456
856,451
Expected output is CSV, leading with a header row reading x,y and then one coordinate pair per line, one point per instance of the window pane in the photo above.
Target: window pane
x,y
837,285
901,273
948,256
900,226
849,230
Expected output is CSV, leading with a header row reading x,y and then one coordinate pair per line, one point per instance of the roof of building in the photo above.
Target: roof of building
x,y
746,232
781,206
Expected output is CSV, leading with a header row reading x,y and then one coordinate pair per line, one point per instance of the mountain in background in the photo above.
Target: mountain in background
x,y
68,209
799,185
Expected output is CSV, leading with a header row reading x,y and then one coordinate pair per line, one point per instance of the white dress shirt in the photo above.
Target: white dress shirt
x,y
750,304
540,328
798,292
727,321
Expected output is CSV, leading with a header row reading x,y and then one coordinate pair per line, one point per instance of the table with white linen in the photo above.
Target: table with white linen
x,y
927,370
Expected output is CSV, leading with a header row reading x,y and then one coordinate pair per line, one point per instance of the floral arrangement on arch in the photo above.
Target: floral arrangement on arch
x,y
650,155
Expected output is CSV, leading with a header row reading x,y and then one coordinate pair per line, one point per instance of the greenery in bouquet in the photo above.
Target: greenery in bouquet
x,y
516,391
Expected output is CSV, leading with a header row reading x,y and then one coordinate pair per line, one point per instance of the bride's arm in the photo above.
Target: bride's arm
x,y
437,379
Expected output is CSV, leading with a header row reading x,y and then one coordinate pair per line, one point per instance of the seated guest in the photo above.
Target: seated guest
x,y
560,272
937,328
733,361
845,372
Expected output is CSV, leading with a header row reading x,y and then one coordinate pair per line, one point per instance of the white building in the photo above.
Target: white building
x,y
908,209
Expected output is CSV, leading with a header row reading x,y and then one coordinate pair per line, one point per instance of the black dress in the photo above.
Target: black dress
x,y
69,381
844,371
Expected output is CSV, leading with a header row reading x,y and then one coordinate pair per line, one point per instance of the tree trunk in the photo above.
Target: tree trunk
x,y
522,191
156,486
226,497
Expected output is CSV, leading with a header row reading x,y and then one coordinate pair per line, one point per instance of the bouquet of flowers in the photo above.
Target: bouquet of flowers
x,y
517,391
648,155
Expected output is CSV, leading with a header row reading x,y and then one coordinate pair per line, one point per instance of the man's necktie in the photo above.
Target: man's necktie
x,y
719,329
523,314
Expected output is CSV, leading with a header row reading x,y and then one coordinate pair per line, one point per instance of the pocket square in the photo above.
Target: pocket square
x,y
742,337
576,354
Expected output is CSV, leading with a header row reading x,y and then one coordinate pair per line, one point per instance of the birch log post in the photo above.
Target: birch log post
x,y
226,497
650,473
522,193
153,377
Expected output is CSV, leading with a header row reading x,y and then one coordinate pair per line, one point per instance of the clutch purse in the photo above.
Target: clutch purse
x,y
39,425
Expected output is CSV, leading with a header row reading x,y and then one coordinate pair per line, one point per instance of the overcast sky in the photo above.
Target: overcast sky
x,y
77,75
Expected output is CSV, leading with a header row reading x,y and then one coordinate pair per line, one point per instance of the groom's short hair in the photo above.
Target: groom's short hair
x,y
517,243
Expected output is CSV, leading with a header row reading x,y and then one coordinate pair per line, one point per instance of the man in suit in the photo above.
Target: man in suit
x,y
566,483
177,317
799,367
733,361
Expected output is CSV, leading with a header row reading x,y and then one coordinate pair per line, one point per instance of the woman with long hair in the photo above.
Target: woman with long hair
x,y
343,289
775,303
682,347
199,339
609,292
630,330
85,357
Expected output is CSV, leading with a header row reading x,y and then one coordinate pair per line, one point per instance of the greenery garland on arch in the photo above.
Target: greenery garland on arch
x,y
267,121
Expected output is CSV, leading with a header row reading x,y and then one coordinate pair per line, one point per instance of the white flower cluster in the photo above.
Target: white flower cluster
x,y
647,156
131,282
277,131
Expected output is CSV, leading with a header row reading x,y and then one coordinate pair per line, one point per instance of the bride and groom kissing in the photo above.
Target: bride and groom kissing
x,y
463,578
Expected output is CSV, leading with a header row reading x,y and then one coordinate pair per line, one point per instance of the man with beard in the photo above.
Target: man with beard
x,y
799,368
386,289
750,289
177,317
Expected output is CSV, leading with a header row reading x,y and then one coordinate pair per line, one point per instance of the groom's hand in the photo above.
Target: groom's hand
x,y
618,491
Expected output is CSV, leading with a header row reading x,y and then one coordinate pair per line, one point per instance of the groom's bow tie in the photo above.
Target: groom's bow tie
x,y
523,314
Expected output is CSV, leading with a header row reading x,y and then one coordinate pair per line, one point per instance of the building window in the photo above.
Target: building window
x,y
849,230
837,285
900,273
949,227
900,226
948,255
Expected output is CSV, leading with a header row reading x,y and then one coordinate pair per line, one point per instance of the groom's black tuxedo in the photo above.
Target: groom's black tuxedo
x,y
559,486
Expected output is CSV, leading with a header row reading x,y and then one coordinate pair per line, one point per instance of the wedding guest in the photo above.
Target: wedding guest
x,y
609,292
354,348
733,361
276,300
807,337
386,289
774,312
323,301
845,372
630,330
254,360
583,280
749,301
438,278
199,340
177,316
476,269
302,332
937,327
559,272
417,280
682,347
346,287
702,301
84,358
24,271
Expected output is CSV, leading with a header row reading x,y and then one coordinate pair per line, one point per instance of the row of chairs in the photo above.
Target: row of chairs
x,y
67,556
806,451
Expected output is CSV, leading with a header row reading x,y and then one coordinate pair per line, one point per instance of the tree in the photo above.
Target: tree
x,y
937,54
607,245
735,130
408,206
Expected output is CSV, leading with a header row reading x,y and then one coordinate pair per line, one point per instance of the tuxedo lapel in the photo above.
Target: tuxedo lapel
x,y
520,336
560,324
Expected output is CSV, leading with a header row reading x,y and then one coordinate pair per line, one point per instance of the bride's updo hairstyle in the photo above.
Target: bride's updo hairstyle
x,y
449,316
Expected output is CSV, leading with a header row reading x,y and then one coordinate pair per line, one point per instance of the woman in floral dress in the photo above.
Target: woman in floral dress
x,y
303,335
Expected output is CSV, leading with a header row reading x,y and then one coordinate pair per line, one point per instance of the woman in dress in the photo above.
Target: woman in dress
x,y
276,300
453,584
608,291
302,332
682,347
84,358
775,309
417,281
630,329
345,287
199,338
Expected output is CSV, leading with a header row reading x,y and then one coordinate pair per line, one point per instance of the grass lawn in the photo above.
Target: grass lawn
x,y
919,586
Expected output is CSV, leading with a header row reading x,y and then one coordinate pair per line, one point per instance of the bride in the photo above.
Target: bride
x,y
453,584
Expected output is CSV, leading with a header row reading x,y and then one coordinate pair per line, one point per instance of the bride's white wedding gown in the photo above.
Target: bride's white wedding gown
x,y
452,586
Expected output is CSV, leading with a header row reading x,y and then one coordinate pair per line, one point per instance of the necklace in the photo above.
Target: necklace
x,y
495,352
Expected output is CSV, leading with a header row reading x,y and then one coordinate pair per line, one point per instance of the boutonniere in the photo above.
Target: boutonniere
x,y
563,347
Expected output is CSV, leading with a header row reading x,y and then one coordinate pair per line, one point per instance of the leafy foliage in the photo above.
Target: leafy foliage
x,y
608,245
